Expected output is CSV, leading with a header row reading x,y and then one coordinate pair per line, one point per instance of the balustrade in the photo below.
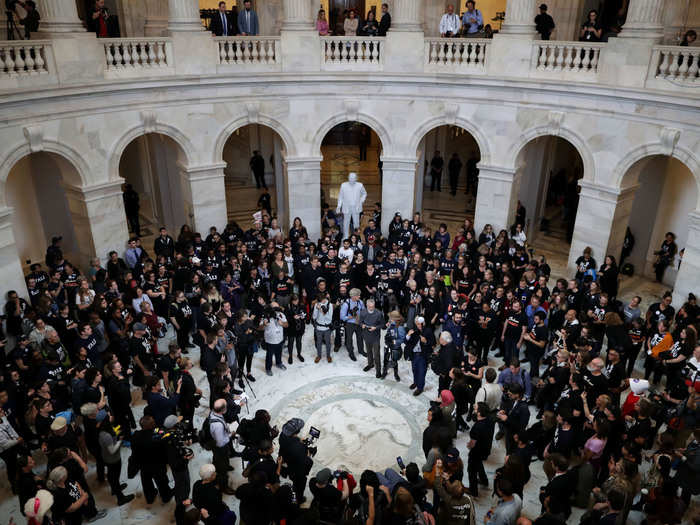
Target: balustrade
x,y
24,57
248,50
140,53
580,57
451,53
340,51
676,63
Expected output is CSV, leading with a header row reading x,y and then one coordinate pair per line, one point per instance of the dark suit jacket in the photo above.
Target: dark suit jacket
x,y
217,26
384,24
559,489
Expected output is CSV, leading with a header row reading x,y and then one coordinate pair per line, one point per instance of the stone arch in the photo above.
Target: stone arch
x,y
67,153
429,125
571,136
245,120
142,129
363,118
652,149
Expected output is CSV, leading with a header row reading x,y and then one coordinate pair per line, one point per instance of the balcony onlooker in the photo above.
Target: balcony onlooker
x,y
449,23
351,23
385,21
472,21
98,20
590,29
370,27
223,23
248,20
544,23
689,37
322,23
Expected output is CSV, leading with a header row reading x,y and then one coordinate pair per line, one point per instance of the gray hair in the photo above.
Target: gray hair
x,y
89,409
446,337
370,301
207,471
57,475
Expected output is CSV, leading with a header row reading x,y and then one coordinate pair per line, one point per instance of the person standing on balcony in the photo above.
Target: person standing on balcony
x,y
351,24
222,23
385,22
97,19
689,37
257,166
248,20
472,21
449,23
591,30
454,167
322,23
545,23
436,165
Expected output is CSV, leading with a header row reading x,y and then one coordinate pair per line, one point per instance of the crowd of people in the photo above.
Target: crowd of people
x,y
501,352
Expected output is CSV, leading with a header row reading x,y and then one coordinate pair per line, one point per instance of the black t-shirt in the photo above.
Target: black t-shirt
x,y
539,334
182,312
563,441
594,385
657,314
482,433
514,325
63,498
487,321
141,347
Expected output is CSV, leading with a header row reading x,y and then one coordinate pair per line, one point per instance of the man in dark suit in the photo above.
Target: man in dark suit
x,y
385,22
559,488
515,419
223,23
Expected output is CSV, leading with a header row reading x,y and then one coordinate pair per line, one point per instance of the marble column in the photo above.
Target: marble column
x,y
156,18
644,20
601,219
183,15
59,16
520,18
688,278
11,274
398,188
98,219
207,196
298,15
278,164
303,191
406,16
495,198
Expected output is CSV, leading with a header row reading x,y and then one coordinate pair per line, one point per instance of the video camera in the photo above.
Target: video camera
x,y
181,436
271,313
314,434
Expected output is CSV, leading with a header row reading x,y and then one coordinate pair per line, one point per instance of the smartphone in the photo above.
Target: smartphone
x,y
314,432
399,460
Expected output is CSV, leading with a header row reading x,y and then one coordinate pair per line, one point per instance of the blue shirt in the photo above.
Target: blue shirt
x,y
466,20
345,315
522,378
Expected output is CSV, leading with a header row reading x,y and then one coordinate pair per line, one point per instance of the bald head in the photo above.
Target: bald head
x,y
220,406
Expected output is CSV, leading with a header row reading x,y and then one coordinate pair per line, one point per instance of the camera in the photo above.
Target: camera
x,y
324,308
314,434
179,437
270,313
353,311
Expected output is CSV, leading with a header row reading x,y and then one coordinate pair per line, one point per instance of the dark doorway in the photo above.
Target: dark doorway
x,y
338,8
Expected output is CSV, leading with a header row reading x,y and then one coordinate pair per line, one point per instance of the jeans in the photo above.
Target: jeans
x,y
221,463
477,473
510,350
271,349
420,367
389,478
374,356
323,337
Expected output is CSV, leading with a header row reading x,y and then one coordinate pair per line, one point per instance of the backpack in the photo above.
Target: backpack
x,y
206,440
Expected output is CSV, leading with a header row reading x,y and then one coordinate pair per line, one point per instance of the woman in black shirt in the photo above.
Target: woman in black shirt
x,y
590,29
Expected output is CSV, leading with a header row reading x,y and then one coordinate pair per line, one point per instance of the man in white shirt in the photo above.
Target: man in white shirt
x,y
274,322
450,23
490,392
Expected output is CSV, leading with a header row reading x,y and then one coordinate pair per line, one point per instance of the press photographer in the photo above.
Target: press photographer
x,y
178,437
350,316
323,321
30,20
273,322
150,458
296,314
296,456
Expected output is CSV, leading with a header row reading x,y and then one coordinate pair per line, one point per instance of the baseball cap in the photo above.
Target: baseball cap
x,y
58,423
139,326
324,476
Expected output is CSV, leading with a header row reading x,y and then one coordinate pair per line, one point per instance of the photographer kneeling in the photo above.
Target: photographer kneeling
x,y
327,498
274,322
296,456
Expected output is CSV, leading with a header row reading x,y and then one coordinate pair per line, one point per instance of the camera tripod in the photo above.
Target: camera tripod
x,y
13,32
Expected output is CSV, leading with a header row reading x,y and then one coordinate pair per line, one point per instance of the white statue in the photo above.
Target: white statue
x,y
350,200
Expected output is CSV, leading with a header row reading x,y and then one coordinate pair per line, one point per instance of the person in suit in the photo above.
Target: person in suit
x,y
559,488
223,23
248,20
515,419
385,21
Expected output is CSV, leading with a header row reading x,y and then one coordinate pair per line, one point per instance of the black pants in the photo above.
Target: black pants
x,y
132,217
299,485
631,357
245,360
291,339
10,456
435,180
182,492
153,476
477,473
660,268
454,178
356,330
260,179
114,471
96,452
444,382
221,463
183,336
273,350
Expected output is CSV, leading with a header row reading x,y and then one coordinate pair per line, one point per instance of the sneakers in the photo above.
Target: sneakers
x,y
250,378
100,514
368,368
281,366
317,360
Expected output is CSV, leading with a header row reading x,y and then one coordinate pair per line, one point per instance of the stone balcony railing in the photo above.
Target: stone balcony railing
x,y
39,63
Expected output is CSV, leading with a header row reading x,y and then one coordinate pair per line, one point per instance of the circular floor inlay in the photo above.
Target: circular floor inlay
x,y
364,423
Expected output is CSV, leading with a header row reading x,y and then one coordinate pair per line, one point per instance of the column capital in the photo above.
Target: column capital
x,y
406,16
399,163
59,17
496,173
184,16
204,172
